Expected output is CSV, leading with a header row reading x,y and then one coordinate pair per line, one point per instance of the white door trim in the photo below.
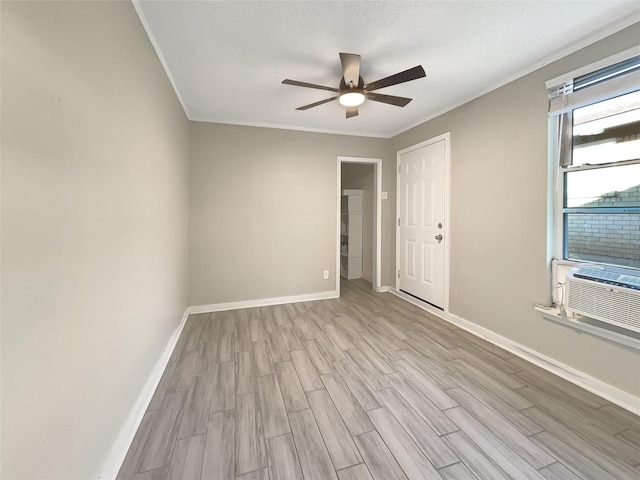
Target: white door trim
x,y
447,218
377,173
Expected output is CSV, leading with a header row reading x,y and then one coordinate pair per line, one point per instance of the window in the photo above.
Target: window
x,y
596,120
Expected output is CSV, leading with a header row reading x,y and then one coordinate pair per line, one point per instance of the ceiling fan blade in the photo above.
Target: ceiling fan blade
x,y
390,99
352,112
308,85
350,68
406,76
311,105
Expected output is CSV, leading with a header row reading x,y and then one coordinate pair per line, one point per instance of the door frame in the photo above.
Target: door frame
x,y
377,217
447,204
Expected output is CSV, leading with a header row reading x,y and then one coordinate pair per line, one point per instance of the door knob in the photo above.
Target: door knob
x,y
439,238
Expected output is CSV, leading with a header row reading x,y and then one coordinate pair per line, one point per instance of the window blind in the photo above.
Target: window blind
x,y
617,79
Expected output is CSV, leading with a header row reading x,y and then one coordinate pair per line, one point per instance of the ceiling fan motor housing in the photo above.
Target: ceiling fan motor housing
x,y
351,95
344,86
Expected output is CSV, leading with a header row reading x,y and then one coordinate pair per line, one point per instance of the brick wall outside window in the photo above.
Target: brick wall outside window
x,y
601,237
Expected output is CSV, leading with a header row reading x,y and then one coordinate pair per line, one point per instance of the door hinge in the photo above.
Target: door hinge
x,y
398,273
399,169
398,222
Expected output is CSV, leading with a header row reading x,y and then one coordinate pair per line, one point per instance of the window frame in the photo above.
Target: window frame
x,y
561,147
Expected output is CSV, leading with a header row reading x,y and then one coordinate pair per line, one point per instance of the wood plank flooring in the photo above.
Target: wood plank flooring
x,y
368,387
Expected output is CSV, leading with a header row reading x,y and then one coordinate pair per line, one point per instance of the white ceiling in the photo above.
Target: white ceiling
x,y
227,59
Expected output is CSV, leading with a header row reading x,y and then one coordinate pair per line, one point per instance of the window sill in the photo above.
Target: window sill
x,y
590,326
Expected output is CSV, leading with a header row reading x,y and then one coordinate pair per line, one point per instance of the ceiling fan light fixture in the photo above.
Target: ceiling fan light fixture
x,y
351,98
353,90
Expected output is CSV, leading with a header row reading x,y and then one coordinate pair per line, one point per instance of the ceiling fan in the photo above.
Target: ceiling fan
x,y
353,91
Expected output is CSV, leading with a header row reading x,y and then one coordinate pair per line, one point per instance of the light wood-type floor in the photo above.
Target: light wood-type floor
x,y
368,387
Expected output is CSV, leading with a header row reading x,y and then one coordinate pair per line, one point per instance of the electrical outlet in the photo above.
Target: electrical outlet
x,y
325,275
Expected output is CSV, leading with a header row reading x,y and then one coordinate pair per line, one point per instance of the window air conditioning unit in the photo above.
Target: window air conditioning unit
x,y
608,294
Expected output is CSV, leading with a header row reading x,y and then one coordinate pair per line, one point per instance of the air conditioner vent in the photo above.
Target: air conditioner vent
x,y
608,294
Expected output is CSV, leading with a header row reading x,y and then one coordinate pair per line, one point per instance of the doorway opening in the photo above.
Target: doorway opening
x,y
359,196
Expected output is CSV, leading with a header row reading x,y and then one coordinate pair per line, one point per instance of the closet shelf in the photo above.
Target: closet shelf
x,y
351,234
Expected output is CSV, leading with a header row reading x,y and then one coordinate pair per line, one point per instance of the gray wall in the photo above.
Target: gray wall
x,y
263,210
94,230
499,224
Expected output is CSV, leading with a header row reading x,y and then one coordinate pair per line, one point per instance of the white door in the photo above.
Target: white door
x,y
421,202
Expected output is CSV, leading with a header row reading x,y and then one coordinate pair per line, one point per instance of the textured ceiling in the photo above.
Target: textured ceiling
x,y
227,59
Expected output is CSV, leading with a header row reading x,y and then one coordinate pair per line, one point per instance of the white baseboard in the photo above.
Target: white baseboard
x,y
383,289
127,432
263,302
614,395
